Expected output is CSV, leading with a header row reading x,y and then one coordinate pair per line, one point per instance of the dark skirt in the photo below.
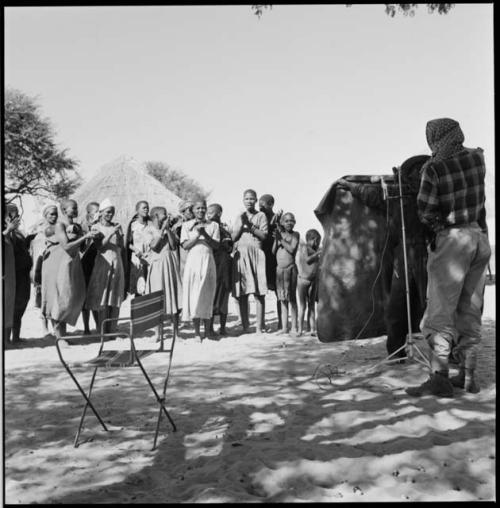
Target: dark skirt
x,y
88,261
23,293
270,270
224,268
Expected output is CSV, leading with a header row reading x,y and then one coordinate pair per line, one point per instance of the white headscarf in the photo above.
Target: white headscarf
x,y
105,203
48,205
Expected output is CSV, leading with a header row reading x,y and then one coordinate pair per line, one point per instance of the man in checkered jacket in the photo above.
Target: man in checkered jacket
x,y
451,202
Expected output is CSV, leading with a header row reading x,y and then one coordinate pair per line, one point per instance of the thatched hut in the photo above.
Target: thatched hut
x,y
125,181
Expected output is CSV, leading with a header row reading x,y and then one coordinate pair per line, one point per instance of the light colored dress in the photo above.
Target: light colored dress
x,y
200,276
164,274
63,284
37,247
249,262
142,234
107,281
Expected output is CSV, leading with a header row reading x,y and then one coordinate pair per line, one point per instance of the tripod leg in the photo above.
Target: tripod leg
x,y
388,360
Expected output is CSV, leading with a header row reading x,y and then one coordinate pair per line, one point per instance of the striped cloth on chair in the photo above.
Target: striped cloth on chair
x,y
145,312
119,358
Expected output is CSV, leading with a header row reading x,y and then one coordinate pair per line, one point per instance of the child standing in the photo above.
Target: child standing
x,y
88,259
307,283
223,268
186,213
286,242
105,291
137,239
164,272
266,204
249,231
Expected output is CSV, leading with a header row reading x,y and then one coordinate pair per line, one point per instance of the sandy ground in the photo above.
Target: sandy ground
x,y
254,425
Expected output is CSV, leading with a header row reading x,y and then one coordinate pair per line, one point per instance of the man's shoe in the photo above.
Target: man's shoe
x,y
468,382
437,385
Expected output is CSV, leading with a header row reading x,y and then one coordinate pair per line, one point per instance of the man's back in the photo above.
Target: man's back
x,y
452,190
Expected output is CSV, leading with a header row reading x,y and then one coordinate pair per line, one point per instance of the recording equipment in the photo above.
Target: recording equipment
x,y
410,347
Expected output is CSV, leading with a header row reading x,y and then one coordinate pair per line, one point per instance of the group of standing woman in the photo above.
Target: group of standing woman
x,y
90,267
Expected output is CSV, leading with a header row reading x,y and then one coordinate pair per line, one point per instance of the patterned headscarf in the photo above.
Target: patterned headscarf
x,y
445,138
184,205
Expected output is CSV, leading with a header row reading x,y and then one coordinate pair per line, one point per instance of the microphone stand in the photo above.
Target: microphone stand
x,y
412,350
410,346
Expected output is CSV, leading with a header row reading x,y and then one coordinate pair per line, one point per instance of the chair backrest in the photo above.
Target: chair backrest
x,y
146,312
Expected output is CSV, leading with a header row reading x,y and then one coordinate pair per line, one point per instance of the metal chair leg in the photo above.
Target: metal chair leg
x,y
174,428
161,401
157,429
87,403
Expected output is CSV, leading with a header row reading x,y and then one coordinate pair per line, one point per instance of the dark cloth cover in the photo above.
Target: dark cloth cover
x,y
362,240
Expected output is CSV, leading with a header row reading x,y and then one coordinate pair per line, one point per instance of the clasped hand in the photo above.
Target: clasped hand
x,y
201,230
12,224
246,224
93,233
245,221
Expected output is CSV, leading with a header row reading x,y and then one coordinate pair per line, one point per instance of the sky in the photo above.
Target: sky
x,y
285,104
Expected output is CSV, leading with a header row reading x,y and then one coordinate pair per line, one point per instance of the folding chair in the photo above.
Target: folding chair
x,y
146,312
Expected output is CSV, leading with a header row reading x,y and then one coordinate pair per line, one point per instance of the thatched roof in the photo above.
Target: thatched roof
x,y
125,181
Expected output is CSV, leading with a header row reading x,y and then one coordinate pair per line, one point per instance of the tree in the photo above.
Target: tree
x,y
390,9
258,9
177,181
33,162
409,9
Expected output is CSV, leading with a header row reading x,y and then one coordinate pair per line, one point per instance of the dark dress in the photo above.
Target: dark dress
x,y
9,282
89,253
267,247
23,263
63,283
223,267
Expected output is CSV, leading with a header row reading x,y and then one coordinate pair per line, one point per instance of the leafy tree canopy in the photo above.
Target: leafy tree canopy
x,y
390,9
33,162
176,181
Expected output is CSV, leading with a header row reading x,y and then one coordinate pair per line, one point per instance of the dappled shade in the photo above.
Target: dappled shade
x,y
253,426
349,291
362,283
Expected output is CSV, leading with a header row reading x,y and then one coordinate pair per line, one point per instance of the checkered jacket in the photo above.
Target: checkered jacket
x,y
452,191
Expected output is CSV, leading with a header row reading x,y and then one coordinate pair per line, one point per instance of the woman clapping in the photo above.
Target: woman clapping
x,y
199,237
